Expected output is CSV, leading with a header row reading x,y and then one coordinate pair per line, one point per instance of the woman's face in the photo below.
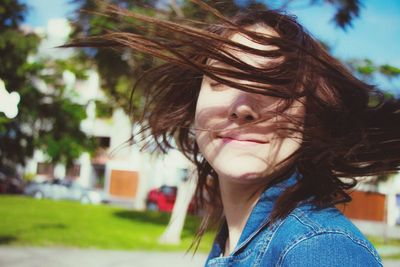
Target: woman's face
x,y
235,130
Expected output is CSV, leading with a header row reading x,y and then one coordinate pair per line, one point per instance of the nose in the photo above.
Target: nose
x,y
243,109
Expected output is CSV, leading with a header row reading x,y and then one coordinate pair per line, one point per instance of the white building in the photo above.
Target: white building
x,y
120,169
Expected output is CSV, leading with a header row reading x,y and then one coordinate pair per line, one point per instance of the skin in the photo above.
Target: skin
x,y
237,135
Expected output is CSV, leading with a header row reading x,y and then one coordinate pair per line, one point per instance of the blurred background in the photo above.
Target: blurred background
x,y
70,181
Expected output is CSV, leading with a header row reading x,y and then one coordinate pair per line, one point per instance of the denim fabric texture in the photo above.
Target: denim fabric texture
x,y
307,237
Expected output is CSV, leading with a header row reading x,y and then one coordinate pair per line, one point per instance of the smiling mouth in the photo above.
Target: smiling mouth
x,y
227,140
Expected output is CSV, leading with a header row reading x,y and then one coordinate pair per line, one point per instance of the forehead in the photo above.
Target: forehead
x,y
243,39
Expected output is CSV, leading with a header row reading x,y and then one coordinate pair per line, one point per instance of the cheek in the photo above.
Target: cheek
x,y
201,122
206,124
202,139
204,135
200,118
209,115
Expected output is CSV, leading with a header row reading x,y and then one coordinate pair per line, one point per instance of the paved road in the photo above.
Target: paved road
x,y
67,257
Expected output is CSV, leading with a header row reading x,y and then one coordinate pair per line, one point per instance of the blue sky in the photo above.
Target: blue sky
x,y
374,35
40,11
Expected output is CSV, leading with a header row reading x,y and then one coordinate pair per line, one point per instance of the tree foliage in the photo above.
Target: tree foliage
x,y
368,71
119,71
346,11
48,119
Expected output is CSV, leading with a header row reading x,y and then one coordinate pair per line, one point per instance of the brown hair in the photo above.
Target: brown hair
x,y
344,136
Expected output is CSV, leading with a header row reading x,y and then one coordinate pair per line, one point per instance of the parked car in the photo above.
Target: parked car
x,y
163,199
10,183
64,189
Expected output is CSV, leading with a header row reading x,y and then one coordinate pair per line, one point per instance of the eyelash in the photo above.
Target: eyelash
x,y
215,84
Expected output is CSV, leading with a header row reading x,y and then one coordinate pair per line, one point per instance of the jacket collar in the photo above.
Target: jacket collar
x,y
259,217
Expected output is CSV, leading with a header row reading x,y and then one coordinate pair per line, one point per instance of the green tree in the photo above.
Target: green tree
x,y
47,120
119,71
367,70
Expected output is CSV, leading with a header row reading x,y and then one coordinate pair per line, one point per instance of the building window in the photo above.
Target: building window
x,y
99,173
45,169
103,141
74,171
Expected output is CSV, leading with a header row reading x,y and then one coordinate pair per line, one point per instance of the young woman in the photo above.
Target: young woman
x,y
277,128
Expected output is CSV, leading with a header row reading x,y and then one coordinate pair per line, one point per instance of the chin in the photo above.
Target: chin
x,y
243,173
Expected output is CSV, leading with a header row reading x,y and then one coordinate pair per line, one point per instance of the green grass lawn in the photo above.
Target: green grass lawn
x,y
382,242
29,222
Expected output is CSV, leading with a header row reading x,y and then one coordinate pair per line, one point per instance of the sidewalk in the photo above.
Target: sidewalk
x,y
71,257
378,229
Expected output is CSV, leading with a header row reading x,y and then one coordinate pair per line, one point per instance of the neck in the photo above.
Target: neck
x,y
238,201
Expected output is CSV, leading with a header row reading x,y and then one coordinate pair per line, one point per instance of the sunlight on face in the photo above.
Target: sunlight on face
x,y
235,130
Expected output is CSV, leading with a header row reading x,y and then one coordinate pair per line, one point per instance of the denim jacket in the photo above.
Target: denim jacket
x,y
306,237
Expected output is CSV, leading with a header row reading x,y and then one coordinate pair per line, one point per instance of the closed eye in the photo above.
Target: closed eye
x,y
216,85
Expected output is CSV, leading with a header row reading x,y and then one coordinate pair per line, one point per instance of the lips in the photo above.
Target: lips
x,y
241,139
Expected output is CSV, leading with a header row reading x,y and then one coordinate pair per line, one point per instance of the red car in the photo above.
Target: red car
x,y
163,199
